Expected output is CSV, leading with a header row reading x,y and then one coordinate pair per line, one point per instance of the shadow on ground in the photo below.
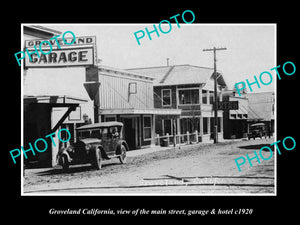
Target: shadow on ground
x,y
254,147
72,169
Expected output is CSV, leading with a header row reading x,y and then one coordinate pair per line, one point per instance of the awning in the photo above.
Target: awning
x,y
53,99
56,101
141,111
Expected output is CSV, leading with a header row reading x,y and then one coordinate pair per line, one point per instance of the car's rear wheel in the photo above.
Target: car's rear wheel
x,y
123,156
98,159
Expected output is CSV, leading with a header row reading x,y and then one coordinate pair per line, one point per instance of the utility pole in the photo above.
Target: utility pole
x,y
215,92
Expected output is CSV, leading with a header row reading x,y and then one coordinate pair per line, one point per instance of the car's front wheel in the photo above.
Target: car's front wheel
x,y
98,159
123,156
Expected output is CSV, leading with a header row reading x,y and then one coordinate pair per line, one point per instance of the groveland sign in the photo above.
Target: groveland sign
x,y
63,57
82,52
79,41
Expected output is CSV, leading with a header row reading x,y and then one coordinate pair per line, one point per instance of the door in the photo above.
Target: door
x,y
129,132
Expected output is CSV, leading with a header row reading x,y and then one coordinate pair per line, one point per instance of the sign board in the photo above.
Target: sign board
x,y
227,105
63,57
79,41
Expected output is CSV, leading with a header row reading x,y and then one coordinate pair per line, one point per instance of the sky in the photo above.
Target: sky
x,y
251,48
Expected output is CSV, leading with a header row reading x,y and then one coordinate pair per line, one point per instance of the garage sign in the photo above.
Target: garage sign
x,y
63,57
61,52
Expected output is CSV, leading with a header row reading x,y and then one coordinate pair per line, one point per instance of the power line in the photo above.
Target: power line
x,y
215,92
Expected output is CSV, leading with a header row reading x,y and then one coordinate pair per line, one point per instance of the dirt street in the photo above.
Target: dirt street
x,y
192,169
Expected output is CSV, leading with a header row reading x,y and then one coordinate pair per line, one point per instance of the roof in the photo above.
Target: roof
x,y
53,99
152,111
98,125
261,105
40,31
122,72
179,74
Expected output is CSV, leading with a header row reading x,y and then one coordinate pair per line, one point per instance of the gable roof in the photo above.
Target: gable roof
x,y
179,74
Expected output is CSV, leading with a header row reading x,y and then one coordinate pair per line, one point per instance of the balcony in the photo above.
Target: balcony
x,y
207,107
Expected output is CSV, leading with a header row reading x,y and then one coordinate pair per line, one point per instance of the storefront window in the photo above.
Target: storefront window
x,y
147,127
188,97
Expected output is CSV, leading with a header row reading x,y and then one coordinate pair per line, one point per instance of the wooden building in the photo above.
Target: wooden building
x,y
189,88
127,97
235,122
262,109
53,98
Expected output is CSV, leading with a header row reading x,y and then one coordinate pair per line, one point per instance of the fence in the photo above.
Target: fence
x,y
187,138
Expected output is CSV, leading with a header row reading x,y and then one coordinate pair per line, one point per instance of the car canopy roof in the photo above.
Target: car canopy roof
x,y
100,125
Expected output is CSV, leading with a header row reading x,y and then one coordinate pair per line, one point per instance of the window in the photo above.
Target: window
x,y
188,97
96,134
204,97
147,127
132,88
166,97
110,118
212,124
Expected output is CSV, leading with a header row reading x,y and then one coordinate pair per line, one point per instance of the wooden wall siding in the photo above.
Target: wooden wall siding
x,y
114,93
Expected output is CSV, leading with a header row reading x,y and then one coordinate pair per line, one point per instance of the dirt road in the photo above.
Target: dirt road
x,y
192,169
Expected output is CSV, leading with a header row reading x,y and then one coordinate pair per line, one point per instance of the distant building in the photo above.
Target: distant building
x,y
235,121
262,108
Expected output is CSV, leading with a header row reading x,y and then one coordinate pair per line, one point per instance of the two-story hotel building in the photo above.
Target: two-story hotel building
x,y
189,88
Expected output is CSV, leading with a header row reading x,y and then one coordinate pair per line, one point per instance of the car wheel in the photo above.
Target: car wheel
x,y
98,159
64,162
123,156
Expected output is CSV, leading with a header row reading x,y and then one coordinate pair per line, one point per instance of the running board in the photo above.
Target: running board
x,y
113,156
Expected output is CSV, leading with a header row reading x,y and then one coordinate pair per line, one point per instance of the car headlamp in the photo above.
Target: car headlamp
x,y
87,147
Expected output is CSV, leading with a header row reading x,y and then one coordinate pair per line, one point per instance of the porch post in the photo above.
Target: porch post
x,y
153,131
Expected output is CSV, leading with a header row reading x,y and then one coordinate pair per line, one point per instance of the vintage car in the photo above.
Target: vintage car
x,y
257,130
95,143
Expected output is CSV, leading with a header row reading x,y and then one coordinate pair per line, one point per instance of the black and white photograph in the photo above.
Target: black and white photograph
x,y
131,112
168,109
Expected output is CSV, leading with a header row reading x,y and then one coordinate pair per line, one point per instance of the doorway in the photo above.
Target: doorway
x,y
130,132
